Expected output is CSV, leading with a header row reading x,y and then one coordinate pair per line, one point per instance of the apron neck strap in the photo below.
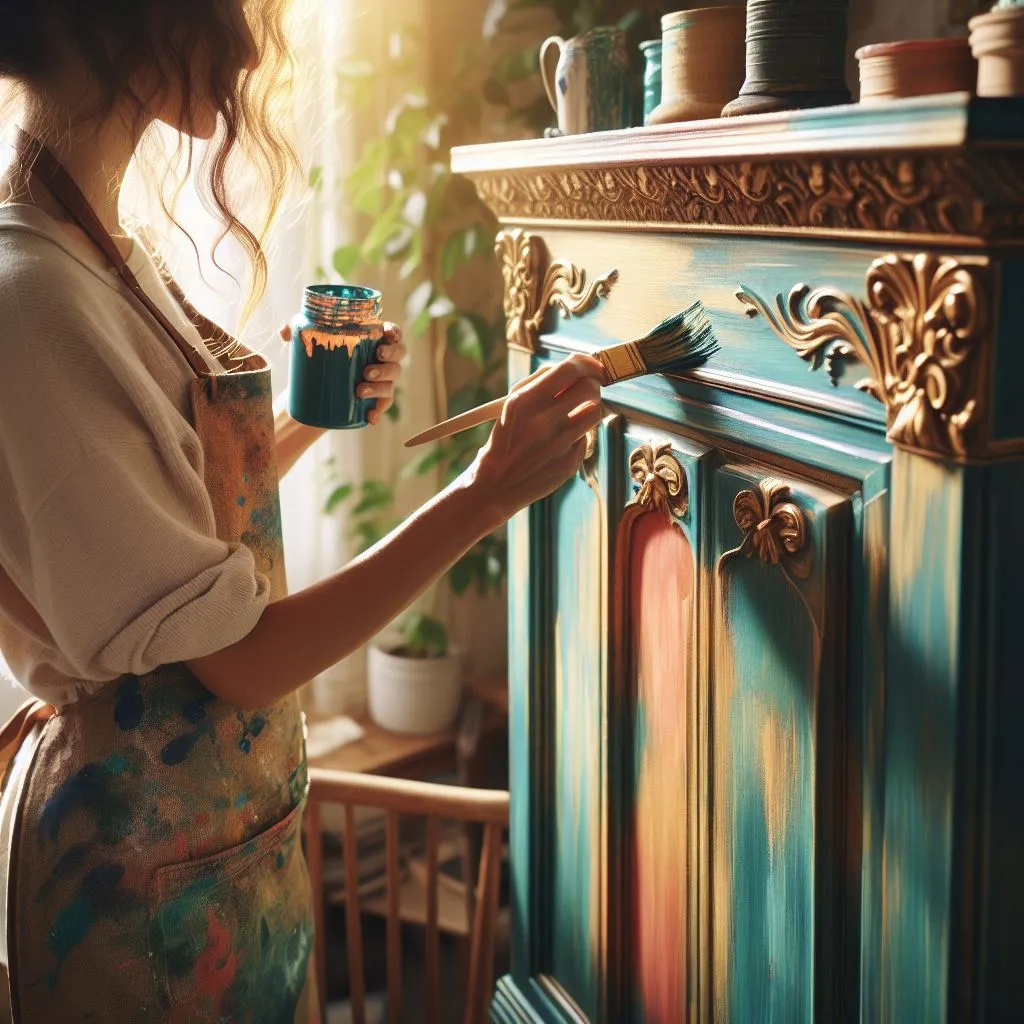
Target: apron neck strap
x,y
45,167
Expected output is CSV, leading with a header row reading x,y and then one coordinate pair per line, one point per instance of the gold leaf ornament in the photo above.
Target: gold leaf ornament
x,y
922,336
659,479
775,527
534,283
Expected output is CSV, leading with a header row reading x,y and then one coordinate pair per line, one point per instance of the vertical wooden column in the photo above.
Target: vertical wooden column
x,y
949,898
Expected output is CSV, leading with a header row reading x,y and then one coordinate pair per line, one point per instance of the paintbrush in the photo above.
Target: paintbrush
x,y
678,343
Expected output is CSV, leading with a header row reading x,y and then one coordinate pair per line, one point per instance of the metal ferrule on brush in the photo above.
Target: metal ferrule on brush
x,y
622,362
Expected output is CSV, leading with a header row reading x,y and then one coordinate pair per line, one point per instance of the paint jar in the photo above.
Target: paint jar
x,y
651,51
333,340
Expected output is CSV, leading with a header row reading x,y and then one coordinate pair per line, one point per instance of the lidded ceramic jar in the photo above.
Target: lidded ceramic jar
x,y
997,40
916,67
701,62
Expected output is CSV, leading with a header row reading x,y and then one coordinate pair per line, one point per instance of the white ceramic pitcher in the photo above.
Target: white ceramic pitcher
x,y
587,80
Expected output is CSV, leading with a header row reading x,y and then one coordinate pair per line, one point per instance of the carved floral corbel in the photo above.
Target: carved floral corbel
x,y
659,480
774,527
922,335
534,283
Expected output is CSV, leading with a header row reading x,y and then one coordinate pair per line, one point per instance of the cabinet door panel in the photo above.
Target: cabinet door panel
x,y
572,868
657,587
575,849
776,744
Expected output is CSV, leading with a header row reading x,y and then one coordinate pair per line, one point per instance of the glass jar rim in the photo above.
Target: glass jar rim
x,y
330,293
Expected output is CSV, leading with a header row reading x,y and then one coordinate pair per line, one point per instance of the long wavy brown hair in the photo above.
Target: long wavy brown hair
x,y
166,44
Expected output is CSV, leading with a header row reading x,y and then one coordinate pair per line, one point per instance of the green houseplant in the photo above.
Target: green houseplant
x,y
429,226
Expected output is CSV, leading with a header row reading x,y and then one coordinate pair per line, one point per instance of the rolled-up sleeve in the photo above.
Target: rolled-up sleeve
x,y
124,578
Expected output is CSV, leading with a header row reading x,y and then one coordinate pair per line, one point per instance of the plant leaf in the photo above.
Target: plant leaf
x,y
464,338
346,259
462,573
441,307
415,209
336,497
419,299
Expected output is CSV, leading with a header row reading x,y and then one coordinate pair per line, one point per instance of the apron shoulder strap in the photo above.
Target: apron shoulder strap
x,y
15,729
45,166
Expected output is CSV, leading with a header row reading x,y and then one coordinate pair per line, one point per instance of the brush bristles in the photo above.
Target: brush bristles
x,y
680,342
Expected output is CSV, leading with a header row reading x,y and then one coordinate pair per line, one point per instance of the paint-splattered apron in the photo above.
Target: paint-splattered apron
x,y
156,869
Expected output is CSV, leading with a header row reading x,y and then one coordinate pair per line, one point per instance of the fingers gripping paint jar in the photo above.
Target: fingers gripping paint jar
x,y
332,342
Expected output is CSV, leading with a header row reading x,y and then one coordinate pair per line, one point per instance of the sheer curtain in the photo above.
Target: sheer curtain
x,y
326,34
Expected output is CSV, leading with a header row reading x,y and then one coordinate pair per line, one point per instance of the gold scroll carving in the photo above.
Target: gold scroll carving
x,y
534,283
659,479
963,195
922,335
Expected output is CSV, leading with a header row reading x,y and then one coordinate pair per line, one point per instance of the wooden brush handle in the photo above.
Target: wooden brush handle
x,y
621,362
470,418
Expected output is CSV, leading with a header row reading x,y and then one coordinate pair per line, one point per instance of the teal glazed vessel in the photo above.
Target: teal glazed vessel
x,y
333,340
651,51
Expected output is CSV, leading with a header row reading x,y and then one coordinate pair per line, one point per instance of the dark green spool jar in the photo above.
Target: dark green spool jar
x,y
332,342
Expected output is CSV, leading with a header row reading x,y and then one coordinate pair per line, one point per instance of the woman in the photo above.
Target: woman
x,y
152,815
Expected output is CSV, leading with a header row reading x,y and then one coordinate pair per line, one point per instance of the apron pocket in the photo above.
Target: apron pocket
x,y
231,935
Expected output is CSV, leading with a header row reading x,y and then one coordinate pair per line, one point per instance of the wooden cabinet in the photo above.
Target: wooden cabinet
x,y
764,692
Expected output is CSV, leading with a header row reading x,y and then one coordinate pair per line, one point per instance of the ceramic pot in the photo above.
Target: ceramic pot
x,y
587,80
796,56
916,67
651,51
997,39
701,63
415,696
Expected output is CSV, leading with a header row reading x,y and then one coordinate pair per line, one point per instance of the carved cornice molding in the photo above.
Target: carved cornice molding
x,y
961,195
534,283
923,336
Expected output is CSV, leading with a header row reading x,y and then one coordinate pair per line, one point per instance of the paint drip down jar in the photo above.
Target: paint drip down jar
x,y
333,340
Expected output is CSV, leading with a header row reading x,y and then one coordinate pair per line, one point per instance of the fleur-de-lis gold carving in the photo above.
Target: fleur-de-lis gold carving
x,y
534,283
659,480
922,336
775,527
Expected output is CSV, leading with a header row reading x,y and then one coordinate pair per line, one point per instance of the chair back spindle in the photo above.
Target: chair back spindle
x,y
432,804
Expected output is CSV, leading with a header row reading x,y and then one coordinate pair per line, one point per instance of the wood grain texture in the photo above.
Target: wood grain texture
x,y
775,862
577,765
662,589
848,803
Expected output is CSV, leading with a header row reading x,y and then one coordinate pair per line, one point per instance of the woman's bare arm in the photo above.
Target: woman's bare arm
x,y
537,444
305,633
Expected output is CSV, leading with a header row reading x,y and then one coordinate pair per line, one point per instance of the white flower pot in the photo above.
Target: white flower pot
x,y
416,696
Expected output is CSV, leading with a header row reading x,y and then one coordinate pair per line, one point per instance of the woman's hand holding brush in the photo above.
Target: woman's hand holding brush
x,y
539,439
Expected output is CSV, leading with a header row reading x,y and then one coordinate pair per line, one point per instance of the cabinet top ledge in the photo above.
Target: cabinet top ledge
x,y
949,121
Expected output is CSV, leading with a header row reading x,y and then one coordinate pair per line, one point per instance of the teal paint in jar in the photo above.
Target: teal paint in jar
x,y
651,51
333,341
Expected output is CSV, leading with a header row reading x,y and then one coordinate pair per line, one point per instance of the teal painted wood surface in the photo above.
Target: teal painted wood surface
x,y
848,811
574,800
666,274
776,867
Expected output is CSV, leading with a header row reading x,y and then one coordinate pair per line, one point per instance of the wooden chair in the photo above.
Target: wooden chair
x,y
434,803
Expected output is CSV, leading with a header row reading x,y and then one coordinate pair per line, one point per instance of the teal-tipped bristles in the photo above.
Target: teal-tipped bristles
x,y
681,342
